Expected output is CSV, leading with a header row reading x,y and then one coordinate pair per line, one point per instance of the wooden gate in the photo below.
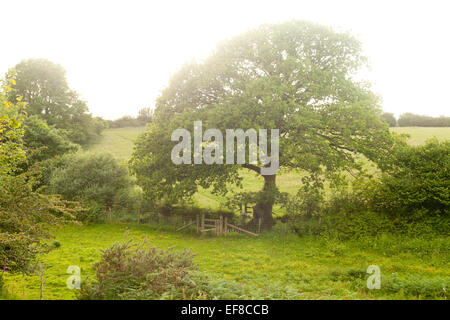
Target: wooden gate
x,y
220,226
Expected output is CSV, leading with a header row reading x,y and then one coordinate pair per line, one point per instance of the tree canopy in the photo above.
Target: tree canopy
x,y
296,77
43,86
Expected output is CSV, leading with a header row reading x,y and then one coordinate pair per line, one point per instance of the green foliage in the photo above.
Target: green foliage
x,y
390,119
93,178
144,117
144,272
416,286
418,178
356,214
11,132
415,120
43,86
25,213
25,218
295,77
45,142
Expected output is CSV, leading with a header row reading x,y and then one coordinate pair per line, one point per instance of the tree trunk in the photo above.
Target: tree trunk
x,y
263,208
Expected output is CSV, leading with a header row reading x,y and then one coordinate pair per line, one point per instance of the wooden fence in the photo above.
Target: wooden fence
x,y
219,226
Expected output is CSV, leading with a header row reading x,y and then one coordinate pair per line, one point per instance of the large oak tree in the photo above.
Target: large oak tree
x,y
297,77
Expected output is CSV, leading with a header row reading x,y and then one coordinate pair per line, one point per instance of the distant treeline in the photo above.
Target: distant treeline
x,y
144,116
416,120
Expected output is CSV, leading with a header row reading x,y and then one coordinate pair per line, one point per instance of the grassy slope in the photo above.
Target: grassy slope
x,y
118,142
305,264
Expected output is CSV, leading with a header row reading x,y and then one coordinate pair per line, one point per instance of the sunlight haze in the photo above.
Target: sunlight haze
x,y
119,55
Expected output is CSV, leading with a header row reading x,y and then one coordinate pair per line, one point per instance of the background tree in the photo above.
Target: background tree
x,y
145,115
390,119
415,120
295,77
43,86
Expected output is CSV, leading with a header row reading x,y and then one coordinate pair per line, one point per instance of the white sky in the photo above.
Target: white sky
x,y
120,54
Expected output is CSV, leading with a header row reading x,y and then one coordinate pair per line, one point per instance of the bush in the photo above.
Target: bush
x,y
130,271
418,179
92,178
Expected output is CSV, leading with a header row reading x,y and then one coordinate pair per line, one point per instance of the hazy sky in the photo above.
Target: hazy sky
x,y
120,54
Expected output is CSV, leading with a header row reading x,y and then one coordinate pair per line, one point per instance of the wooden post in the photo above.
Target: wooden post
x,y
198,223
221,225
259,225
175,223
225,230
203,221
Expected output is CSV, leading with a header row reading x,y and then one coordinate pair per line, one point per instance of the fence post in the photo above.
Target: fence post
x,y
225,231
221,225
203,221
198,223
259,225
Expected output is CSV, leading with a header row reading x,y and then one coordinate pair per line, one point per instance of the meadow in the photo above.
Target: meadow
x,y
311,268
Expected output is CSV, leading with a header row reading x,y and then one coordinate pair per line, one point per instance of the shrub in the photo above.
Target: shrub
x,y
128,271
418,179
93,178
26,216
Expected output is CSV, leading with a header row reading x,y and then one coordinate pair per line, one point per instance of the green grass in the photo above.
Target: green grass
x,y
315,268
418,135
118,142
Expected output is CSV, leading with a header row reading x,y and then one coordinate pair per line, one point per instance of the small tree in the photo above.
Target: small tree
x,y
94,178
26,214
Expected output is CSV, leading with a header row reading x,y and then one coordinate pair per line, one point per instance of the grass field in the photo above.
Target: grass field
x,y
313,268
118,142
